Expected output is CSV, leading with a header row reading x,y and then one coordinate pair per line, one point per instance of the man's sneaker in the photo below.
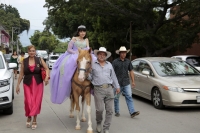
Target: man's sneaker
x,y
135,113
98,127
117,114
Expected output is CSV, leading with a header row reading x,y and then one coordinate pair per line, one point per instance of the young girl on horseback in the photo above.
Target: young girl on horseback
x,y
65,66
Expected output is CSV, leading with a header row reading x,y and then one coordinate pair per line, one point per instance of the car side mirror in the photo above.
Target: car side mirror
x,y
145,72
12,65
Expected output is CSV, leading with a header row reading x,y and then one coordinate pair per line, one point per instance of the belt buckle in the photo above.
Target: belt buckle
x,y
104,86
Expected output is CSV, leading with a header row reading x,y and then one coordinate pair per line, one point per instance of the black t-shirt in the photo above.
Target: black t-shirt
x,y
121,70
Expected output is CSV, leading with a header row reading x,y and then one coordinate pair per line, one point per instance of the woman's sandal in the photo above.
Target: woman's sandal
x,y
34,125
28,123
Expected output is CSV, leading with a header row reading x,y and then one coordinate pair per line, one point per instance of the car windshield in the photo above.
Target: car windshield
x,y
195,61
53,57
174,68
1,63
43,53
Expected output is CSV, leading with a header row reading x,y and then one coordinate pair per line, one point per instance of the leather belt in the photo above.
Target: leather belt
x,y
104,86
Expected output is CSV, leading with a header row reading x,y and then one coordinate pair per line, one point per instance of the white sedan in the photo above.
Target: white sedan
x,y
52,59
194,60
6,85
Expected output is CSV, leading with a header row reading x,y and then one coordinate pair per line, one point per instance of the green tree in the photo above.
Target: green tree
x,y
61,47
108,23
10,17
25,49
44,40
34,39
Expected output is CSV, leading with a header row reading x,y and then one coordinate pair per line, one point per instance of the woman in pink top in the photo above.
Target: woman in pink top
x,y
33,85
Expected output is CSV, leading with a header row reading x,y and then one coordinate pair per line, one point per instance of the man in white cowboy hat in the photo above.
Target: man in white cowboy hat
x,y
122,66
103,78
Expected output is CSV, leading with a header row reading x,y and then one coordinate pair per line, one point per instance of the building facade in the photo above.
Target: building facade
x,y
4,40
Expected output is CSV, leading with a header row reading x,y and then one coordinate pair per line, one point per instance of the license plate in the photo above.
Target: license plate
x,y
198,99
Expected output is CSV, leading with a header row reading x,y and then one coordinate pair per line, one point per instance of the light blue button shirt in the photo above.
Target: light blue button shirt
x,y
103,74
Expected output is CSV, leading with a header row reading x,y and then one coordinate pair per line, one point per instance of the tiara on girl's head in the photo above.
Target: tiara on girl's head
x,y
81,26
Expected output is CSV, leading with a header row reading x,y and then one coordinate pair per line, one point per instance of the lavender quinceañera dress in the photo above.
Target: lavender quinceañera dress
x,y
63,70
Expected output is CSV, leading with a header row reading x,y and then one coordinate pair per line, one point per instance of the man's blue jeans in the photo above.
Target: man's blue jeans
x,y
126,90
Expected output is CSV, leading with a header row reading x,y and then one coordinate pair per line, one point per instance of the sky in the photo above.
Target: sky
x,y
31,10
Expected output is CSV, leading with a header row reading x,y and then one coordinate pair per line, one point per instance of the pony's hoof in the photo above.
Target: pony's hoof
x,y
89,131
71,116
78,127
83,120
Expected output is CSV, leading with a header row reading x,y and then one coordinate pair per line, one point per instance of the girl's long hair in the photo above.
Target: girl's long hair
x,y
78,30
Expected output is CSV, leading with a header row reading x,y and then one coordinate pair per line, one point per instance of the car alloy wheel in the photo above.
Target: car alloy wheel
x,y
157,99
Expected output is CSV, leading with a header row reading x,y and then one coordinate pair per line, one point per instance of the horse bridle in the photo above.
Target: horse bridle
x,y
86,70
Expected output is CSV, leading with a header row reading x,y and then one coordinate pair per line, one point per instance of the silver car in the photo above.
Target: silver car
x,y
166,82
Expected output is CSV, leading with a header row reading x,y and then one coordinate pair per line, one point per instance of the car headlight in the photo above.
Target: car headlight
x,y
175,89
4,82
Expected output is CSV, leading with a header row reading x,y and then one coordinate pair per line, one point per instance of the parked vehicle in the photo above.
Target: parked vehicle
x,y
6,85
166,81
26,55
7,56
42,53
52,59
194,60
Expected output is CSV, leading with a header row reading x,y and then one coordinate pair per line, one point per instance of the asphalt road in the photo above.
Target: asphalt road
x,y
55,118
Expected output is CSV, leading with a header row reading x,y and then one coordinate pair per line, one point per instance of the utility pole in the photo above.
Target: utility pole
x,y
130,39
16,32
17,46
12,40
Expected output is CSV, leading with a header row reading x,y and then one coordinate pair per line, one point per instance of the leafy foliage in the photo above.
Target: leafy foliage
x,y
44,40
108,23
10,17
61,47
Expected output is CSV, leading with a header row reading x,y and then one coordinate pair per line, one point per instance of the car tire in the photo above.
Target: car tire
x,y
156,98
8,111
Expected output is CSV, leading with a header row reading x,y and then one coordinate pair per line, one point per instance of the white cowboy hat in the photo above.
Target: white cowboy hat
x,y
102,49
122,49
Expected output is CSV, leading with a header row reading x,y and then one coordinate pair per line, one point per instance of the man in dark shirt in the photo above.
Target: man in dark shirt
x,y
122,66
